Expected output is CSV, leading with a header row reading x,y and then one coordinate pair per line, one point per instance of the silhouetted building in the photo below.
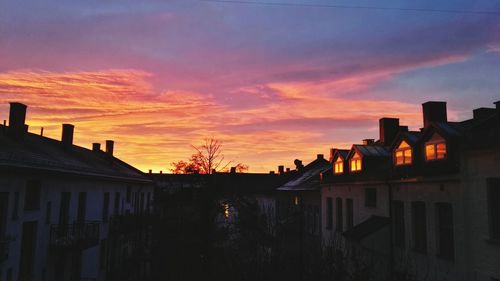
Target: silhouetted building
x,y
421,205
65,209
299,216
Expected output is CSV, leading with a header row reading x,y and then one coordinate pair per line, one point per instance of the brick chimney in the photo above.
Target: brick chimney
x,y
96,147
320,156
233,170
298,164
483,112
281,169
109,147
368,141
388,129
17,118
434,111
67,135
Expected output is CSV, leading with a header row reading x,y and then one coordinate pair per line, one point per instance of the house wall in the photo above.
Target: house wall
x,y
429,266
45,266
484,254
356,192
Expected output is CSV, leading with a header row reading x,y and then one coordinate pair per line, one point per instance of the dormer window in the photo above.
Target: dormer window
x,y
355,162
402,154
338,166
435,148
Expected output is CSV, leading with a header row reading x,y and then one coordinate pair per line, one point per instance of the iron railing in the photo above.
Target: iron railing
x,y
78,236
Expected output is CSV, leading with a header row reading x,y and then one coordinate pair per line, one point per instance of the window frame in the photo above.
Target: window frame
x,y
368,203
439,208
358,162
403,150
339,162
434,141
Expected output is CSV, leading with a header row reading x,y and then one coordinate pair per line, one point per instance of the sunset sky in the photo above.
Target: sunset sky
x,y
273,82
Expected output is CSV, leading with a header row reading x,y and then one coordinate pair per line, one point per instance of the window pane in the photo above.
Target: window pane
x,y
430,153
407,156
404,145
446,242
419,227
340,217
399,157
329,213
441,150
399,224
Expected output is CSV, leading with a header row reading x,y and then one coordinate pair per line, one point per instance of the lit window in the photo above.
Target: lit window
x,y
356,162
339,166
296,200
435,148
402,154
226,210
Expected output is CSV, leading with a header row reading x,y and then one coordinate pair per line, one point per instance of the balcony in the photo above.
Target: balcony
x,y
77,236
4,248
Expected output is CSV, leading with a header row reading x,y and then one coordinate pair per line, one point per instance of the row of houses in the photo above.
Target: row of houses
x,y
68,212
412,205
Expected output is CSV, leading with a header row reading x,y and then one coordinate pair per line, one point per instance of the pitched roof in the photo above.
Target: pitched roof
x,y
309,178
36,152
367,227
372,150
342,152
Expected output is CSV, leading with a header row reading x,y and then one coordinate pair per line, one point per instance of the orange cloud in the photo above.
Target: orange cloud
x,y
153,128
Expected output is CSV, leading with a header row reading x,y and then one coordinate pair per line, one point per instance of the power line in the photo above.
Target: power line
x,y
284,4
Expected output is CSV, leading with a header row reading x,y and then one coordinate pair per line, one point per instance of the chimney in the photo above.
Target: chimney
x,y
271,172
17,118
497,105
320,156
332,152
483,112
368,141
298,164
388,129
41,131
67,135
233,170
96,147
161,172
150,171
434,111
281,169
109,147
288,170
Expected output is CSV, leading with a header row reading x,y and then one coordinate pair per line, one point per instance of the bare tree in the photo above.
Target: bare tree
x,y
207,160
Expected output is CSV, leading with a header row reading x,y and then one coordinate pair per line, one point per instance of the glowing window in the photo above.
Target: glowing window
x,y
226,210
356,162
435,148
402,154
339,166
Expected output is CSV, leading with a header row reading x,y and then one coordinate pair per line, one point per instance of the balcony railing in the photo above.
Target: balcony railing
x,y
4,248
77,236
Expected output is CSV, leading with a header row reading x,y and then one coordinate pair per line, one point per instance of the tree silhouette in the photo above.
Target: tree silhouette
x,y
207,160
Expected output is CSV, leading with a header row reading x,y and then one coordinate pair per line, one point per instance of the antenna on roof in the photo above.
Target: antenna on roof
x,y
41,131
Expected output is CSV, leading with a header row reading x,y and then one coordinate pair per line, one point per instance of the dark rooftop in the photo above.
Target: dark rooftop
x,y
40,153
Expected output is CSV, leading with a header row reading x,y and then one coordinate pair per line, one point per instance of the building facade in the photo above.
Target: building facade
x,y
419,205
63,207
